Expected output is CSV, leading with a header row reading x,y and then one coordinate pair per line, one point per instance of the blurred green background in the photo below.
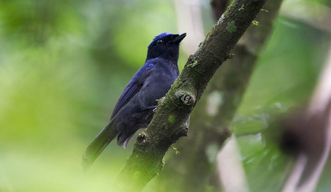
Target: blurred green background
x,y
63,65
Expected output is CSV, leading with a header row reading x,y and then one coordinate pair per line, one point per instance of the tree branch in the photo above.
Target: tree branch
x,y
193,167
169,122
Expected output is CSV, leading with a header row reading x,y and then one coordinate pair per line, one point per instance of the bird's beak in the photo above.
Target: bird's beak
x,y
179,38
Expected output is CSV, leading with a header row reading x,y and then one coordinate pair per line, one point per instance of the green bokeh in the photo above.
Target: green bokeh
x,y
63,65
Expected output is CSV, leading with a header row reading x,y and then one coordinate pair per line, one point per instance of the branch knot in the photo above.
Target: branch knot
x,y
141,137
186,97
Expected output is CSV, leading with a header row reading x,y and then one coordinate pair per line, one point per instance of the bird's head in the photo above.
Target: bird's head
x,y
165,45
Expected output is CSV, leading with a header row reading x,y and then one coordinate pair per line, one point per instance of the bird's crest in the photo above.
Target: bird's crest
x,y
159,37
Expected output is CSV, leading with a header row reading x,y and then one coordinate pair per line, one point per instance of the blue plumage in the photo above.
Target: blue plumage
x,y
134,109
159,37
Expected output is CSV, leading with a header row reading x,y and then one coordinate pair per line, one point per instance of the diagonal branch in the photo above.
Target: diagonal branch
x,y
194,168
169,122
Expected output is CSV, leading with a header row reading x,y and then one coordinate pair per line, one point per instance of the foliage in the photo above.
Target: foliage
x,y
63,65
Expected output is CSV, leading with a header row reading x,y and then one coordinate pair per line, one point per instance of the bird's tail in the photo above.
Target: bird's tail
x,y
98,145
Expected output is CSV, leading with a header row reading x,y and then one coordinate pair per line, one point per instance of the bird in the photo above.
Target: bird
x,y
136,105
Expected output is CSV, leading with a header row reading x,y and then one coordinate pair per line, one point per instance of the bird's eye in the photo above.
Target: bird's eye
x,y
159,41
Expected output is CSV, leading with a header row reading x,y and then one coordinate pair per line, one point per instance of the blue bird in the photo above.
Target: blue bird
x,y
135,107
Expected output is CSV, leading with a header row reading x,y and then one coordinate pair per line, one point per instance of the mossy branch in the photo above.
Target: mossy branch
x,y
171,117
194,168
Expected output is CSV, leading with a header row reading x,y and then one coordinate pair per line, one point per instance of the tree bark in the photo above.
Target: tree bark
x,y
193,169
170,119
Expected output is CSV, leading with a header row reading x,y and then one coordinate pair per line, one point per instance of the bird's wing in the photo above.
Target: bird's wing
x,y
133,86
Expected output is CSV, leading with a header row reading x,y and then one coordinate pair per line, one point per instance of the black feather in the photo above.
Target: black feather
x,y
134,109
